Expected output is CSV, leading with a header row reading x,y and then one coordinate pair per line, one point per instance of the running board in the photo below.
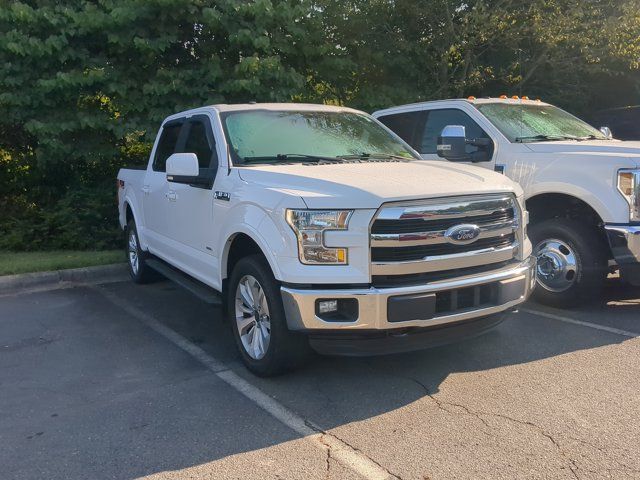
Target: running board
x,y
199,289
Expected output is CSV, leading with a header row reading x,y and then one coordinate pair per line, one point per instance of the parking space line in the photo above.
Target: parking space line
x,y
595,326
340,451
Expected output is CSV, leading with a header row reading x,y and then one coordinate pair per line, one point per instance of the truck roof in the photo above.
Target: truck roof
x,y
310,107
230,107
450,101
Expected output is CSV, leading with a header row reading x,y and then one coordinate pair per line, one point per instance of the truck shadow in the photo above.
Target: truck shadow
x,y
336,391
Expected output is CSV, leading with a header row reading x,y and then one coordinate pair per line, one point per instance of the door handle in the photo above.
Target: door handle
x,y
171,195
146,189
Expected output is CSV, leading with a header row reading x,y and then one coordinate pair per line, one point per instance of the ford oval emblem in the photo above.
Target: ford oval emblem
x,y
462,234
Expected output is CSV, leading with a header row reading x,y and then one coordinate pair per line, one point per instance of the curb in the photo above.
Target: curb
x,y
43,280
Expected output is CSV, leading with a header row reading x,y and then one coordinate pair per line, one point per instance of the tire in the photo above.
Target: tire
x,y
572,262
139,271
275,349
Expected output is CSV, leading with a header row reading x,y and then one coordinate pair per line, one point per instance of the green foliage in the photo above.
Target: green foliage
x,y
84,84
570,52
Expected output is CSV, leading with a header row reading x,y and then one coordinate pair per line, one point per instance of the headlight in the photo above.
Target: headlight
x,y
309,226
629,187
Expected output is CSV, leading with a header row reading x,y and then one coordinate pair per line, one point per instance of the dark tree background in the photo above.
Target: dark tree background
x,y
84,84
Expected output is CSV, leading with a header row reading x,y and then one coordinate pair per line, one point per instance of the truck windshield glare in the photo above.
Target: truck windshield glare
x,y
537,123
265,136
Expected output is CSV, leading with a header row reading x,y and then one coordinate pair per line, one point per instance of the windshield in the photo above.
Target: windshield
x,y
535,123
267,136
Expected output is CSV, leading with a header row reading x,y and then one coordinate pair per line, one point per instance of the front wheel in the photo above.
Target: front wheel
x,y
258,322
572,262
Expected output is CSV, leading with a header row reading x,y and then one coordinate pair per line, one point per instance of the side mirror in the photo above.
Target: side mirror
x,y
184,168
182,165
606,131
452,144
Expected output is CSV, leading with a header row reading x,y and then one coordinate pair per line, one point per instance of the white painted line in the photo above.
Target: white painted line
x,y
595,326
338,450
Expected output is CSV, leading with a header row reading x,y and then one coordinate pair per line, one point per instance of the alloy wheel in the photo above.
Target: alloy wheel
x,y
252,317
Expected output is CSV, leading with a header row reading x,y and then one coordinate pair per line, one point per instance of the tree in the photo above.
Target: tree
x,y
85,84
386,53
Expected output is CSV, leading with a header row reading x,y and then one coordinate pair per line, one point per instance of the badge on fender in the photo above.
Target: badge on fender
x,y
226,196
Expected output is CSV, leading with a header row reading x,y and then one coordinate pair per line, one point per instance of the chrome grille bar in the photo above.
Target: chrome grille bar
x,y
453,209
436,263
431,238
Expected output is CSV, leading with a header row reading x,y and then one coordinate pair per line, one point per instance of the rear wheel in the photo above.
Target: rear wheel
x,y
572,262
258,322
136,257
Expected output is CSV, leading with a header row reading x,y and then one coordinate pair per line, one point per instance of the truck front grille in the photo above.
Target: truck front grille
x,y
420,224
413,238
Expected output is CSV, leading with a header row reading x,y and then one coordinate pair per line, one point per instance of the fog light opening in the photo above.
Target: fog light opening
x,y
337,309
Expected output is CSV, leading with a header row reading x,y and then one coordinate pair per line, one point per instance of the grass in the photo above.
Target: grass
x,y
24,262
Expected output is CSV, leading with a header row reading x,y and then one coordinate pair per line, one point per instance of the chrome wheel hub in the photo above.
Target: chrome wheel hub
x,y
557,265
252,317
132,252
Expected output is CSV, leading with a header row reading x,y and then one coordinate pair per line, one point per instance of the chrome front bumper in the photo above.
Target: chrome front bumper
x,y
510,286
625,247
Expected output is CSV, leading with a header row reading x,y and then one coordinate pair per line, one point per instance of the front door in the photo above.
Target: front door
x,y
190,208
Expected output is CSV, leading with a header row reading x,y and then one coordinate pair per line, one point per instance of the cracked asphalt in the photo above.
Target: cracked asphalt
x,y
88,390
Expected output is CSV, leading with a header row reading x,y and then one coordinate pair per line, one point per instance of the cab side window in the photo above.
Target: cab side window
x,y
438,119
200,141
407,125
166,145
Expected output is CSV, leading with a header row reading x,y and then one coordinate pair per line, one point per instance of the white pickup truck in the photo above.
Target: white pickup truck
x,y
582,187
322,228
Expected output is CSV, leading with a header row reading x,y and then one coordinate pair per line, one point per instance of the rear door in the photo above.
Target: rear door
x,y
155,188
190,207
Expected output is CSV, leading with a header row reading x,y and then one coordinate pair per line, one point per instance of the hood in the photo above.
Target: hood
x,y
370,184
591,148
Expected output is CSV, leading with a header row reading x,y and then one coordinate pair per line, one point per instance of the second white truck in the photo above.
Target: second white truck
x,y
582,187
322,228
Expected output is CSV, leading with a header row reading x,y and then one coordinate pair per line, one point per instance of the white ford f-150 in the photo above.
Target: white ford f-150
x,y
582,187
322,228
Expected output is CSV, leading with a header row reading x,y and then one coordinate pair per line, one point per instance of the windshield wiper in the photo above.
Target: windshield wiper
x,y
288,157
549,138
374,156
592,137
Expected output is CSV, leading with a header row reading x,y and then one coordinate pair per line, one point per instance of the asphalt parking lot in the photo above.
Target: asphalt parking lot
x,y
121,381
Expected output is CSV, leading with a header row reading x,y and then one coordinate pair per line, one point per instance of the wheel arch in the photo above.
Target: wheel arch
x,y
550,205
543,206
240,244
